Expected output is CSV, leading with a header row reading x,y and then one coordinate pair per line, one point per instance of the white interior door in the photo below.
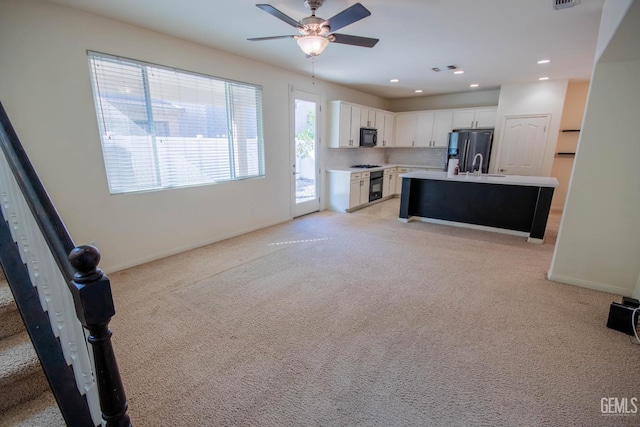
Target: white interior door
x,y
523,144
305,170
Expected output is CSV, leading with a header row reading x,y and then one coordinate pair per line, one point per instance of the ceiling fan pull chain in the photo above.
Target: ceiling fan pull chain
x,y
313,69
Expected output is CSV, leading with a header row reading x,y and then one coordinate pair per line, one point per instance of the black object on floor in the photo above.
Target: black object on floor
x,y
620,316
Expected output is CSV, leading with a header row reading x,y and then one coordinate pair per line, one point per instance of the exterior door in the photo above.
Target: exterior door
x,y
523,144
305,141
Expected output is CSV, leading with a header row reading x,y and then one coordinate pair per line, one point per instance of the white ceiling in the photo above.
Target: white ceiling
x,y
493,41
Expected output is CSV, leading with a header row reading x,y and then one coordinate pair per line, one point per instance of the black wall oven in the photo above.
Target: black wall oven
x,y
375,185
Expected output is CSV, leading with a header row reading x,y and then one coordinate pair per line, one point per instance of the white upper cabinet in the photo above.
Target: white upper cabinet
x,y
384,123
367,118
346,119
441,127
423,129
474,118
429,128
486,118
406,129
344,125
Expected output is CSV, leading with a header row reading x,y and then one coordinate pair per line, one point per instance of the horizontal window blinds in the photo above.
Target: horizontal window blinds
x,y
164,128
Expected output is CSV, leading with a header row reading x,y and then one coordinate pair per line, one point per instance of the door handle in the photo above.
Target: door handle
x,y
502,170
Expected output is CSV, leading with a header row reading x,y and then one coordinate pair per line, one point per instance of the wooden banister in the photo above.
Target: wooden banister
x,y
91,291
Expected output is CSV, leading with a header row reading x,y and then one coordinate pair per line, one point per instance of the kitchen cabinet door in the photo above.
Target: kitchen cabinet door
x,y
365,184
399,179
354,126
367,118
463,119
389,187
387,136
344,125
406,129
425,129
441,127
474,118
384,124
486,118
354,193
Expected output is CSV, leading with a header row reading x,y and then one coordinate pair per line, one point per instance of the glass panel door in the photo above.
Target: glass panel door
x,y
305,153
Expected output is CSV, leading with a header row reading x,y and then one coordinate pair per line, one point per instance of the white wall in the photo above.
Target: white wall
x,y
45,88
523,99
598,243
572,115
612,15
483,98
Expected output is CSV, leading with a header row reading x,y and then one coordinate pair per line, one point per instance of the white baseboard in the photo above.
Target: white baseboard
x,y
474,226
589,285
174,251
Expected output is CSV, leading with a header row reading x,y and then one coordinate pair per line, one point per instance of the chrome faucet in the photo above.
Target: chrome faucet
x,y
480,165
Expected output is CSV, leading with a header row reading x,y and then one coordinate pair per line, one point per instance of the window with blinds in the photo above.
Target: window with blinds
x,y
165,128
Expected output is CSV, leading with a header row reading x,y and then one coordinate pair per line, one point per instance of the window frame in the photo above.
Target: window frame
x,y
232,141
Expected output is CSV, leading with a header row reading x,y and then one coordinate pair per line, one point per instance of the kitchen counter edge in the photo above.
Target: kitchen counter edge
x,y
532,181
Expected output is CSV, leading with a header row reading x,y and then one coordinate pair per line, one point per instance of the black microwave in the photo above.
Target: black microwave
x,y
368,137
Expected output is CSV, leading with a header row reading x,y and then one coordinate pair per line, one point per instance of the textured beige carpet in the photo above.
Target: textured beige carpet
x,y
356,319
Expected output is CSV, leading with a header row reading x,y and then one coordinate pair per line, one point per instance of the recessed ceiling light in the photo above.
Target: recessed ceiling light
x,y
474,85
418,91
394,80
543,78
544,61
458,72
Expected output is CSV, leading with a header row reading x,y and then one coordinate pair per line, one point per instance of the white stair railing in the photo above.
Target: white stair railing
x,y
72,291
52,288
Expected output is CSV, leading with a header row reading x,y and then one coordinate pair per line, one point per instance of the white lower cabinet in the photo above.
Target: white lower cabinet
x,y
389,182
359,189
399,179
348,190
365,184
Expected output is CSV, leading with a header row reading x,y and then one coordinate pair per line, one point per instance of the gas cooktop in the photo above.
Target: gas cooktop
x,y
365,166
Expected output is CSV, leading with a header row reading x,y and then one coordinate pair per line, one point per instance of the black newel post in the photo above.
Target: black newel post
x,y
94,306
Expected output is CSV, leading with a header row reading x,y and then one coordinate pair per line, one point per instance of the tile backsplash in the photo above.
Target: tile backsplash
x,y
417,156
342,158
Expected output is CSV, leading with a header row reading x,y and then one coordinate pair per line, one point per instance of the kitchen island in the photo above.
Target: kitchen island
x,y
510,204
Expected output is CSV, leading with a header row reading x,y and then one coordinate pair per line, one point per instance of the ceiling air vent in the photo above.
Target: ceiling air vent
x,y
563,4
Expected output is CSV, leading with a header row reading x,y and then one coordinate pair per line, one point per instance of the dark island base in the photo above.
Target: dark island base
x,y
508,207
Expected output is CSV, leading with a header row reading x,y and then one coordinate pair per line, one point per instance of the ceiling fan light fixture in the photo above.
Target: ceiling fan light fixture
x,y
312,45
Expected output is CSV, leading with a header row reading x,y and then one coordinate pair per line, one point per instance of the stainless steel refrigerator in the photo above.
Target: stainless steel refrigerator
x,y
465,144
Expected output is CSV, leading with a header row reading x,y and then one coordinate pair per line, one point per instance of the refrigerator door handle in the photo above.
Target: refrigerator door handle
x,y
465,155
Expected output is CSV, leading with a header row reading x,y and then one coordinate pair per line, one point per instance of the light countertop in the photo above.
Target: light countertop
x,y
532,181
382,167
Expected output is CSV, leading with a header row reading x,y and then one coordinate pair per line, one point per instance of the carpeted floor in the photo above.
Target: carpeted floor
x,y
356,319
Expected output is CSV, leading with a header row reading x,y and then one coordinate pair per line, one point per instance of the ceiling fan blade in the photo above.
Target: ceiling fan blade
x,y
347,17
275,12
257,39
355,40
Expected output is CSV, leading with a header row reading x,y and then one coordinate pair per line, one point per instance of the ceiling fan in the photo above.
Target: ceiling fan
x,y
316,32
